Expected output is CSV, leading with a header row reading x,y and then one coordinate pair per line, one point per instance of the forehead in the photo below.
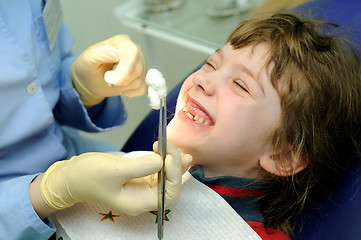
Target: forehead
x,y
252,56
261,48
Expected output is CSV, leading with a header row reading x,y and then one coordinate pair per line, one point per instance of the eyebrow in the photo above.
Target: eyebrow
x,y
245,69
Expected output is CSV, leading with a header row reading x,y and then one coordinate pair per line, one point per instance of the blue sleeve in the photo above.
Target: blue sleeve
x,y
18,218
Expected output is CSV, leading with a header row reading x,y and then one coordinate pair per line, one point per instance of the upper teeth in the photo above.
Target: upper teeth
x,y
196,118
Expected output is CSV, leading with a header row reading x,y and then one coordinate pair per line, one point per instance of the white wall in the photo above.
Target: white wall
x,y
91,21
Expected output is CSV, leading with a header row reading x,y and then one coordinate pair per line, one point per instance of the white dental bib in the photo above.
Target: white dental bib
x,y
199,214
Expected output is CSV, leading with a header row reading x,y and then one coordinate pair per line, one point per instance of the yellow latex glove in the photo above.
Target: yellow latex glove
x,y
109,68
121,183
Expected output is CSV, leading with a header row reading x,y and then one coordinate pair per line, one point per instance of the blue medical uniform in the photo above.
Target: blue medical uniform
x,y
37,98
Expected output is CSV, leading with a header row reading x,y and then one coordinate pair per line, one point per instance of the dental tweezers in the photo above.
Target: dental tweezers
x,y
162,146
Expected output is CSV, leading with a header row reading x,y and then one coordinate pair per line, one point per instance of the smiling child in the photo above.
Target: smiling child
x,y
278,104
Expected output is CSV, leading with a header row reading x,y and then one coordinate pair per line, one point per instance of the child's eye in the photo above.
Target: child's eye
x,y
241,85
207,63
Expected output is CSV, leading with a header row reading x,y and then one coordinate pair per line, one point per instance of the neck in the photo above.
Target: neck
x,y
211,172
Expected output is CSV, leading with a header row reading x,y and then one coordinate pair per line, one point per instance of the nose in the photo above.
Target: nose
x,y
204,82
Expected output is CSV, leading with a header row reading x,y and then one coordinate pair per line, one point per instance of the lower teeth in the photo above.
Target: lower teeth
x,y
197,119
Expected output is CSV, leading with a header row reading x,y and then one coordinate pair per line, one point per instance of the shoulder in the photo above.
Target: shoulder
x,y
267,233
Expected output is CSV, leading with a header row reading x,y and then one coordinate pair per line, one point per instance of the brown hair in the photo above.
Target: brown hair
x,y
317,75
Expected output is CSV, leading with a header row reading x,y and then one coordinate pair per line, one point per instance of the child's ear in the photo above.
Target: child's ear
x,y
283,165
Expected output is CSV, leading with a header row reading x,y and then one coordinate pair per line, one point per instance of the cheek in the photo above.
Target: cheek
x,y
240,123
186,86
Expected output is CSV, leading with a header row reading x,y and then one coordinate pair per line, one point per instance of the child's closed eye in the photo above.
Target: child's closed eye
x,y
209,64
241,85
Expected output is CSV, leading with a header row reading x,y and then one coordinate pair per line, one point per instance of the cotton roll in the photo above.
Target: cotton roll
x,y
157,88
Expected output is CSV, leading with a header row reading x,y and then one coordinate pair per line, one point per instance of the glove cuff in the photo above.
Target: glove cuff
x,y
87,97
51,196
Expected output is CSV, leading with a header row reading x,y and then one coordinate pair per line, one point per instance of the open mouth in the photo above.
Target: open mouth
x,y
195,112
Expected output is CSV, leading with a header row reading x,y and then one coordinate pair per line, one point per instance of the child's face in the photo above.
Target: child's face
x,y
234,107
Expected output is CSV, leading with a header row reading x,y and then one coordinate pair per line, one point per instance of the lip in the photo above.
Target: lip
x,y
193,102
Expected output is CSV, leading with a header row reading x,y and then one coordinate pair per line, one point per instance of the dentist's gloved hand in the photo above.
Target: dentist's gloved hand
x,y
121,183
109,68
173,173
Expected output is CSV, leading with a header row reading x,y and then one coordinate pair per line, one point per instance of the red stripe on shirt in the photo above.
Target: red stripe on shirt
x,y
267,233
234,192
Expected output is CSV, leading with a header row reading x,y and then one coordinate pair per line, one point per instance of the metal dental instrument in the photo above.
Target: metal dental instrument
x,y
157,93
162,147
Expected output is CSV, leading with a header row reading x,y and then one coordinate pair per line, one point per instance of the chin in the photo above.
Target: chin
x,y
177,133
